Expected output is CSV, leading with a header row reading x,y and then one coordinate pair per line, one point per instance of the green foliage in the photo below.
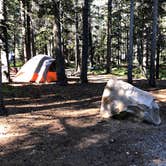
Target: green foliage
x,y
9,90
137,73
15,91
42,19
70,65
19,63
120,71
13,22
42,39
97,71
162,72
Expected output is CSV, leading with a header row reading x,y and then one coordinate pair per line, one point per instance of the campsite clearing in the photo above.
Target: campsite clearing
x,y
60,126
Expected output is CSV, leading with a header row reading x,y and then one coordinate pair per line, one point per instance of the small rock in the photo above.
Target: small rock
x,y
136,153
112,140
127,153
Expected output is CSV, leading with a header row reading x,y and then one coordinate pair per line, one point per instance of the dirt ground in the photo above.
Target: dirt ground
x,y
52,125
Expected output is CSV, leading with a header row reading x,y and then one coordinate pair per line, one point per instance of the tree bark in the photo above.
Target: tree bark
x,y
158,57
152,81
28,31
84,66
5,29
33,42
25,8
2,109
77,50
91,47
60,63
22,13
130,52
14,54
109,24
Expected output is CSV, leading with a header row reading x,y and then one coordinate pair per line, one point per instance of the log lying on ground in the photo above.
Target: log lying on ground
x,y
120,96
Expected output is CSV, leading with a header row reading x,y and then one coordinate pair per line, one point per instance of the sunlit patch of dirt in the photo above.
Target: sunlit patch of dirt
x,y
160,95
92,140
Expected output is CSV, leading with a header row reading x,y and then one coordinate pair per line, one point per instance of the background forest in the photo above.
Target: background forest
x,y
115,36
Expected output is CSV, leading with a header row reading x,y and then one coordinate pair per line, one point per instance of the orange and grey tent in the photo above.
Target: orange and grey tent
x,y
40,69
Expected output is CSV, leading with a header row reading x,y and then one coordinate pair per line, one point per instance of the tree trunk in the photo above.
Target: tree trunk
x,y
60,63
157,62
1,94
127,45
152,81
45,47
28,31
25,8
139,57
119,37
130,52
108,66
33,42
6,38
147,52
77,50
84,66
91,48
158,57
2,108
92,61
14,54
22,13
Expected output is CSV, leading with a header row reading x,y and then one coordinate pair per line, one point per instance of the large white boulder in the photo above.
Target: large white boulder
x,y
120,96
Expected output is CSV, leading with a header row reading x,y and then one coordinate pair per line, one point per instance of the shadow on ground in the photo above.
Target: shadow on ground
x,y
60,126
30,98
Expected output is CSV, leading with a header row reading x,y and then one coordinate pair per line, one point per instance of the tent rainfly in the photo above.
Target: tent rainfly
x,y
40,69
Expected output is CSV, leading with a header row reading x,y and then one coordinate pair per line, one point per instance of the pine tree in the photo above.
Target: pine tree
x,y
60,63
2,108
84,66
5,35
130,52
108,69
77,50
152,80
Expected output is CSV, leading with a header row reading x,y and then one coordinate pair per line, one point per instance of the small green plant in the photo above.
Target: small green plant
x,y
14,91
137,73
8,90
122,71
97,71
19,63
119,71
162,72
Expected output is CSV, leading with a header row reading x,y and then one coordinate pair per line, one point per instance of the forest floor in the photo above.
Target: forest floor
x,y
52,125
